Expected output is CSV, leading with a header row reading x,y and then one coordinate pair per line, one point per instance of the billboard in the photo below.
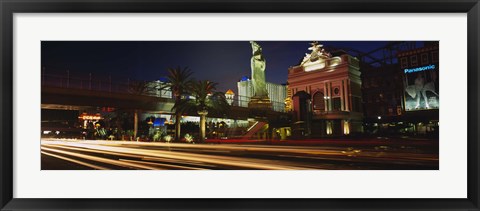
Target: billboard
x,y
421,87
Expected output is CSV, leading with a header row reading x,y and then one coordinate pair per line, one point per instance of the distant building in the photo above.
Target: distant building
x,y
327,96
403,97
155,88
276,92
382,90
229,95
420,69
288,100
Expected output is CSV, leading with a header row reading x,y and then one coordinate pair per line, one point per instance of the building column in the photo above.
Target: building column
x,y
346,95
325,96
342,96
330,95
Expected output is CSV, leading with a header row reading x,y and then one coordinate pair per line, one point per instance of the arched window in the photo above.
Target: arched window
x,y
319,101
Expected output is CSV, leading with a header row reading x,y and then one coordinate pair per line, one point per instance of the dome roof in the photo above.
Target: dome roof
x,y
230,92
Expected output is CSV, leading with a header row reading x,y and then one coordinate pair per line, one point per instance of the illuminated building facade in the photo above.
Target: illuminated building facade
x,y
288,100
276,92
229,95
326,94
420,69
154,88
402,97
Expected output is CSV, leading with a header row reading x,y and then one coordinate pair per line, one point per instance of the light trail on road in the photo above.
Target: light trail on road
x,y
160,156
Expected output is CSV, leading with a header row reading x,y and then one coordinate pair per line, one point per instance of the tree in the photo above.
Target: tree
x,y
206,101
179,82
137,88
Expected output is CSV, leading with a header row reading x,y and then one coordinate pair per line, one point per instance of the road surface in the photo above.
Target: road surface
x,y
127,155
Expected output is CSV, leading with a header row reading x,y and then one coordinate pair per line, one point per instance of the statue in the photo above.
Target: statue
x,y
318,53
260,97
258,64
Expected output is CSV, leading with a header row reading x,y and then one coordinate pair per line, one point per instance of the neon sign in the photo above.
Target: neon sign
x,y
419,69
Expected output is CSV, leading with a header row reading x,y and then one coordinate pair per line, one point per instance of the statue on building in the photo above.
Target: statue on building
x,y
318,53
260,97
258,65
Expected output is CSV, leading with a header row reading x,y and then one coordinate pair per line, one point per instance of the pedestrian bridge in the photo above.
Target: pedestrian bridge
x,y
75,99
67,93
80,99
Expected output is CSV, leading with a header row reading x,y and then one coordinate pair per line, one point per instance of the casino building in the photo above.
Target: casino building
x,y
276,92
326,94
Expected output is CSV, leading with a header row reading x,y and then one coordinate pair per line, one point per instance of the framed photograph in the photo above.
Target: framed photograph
x,y
239,105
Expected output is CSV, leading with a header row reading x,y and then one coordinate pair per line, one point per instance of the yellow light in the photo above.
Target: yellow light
x,y
329,128
346,127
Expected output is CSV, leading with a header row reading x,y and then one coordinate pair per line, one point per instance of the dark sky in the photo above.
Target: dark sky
x,y
224,62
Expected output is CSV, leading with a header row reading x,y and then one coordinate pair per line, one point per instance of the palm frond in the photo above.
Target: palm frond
x,y
179,80
139,87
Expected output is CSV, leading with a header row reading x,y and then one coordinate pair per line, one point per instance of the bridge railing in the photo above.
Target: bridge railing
x,y
82,83
242,101
103,84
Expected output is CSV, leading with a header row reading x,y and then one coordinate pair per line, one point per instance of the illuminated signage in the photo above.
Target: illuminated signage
x,y
86,116
421,88
159,122
419,69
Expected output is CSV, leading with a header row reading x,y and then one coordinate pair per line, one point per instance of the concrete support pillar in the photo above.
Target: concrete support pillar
x,y
135,124
203,119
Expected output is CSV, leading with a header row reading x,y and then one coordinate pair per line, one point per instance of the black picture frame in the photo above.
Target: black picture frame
x,y
9,7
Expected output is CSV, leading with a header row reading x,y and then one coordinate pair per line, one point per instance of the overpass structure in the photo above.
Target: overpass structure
x,y
65,93
76,99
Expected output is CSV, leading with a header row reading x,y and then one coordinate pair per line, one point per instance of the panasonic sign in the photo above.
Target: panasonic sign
x,y
419,69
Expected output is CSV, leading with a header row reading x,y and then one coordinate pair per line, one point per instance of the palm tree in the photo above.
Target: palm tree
x,y
206,100
137,88
179,82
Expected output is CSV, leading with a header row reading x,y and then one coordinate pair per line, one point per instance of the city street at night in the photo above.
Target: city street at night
x,y
380,153
265,105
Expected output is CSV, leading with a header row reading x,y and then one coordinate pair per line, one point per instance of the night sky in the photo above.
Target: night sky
x,y
224,62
